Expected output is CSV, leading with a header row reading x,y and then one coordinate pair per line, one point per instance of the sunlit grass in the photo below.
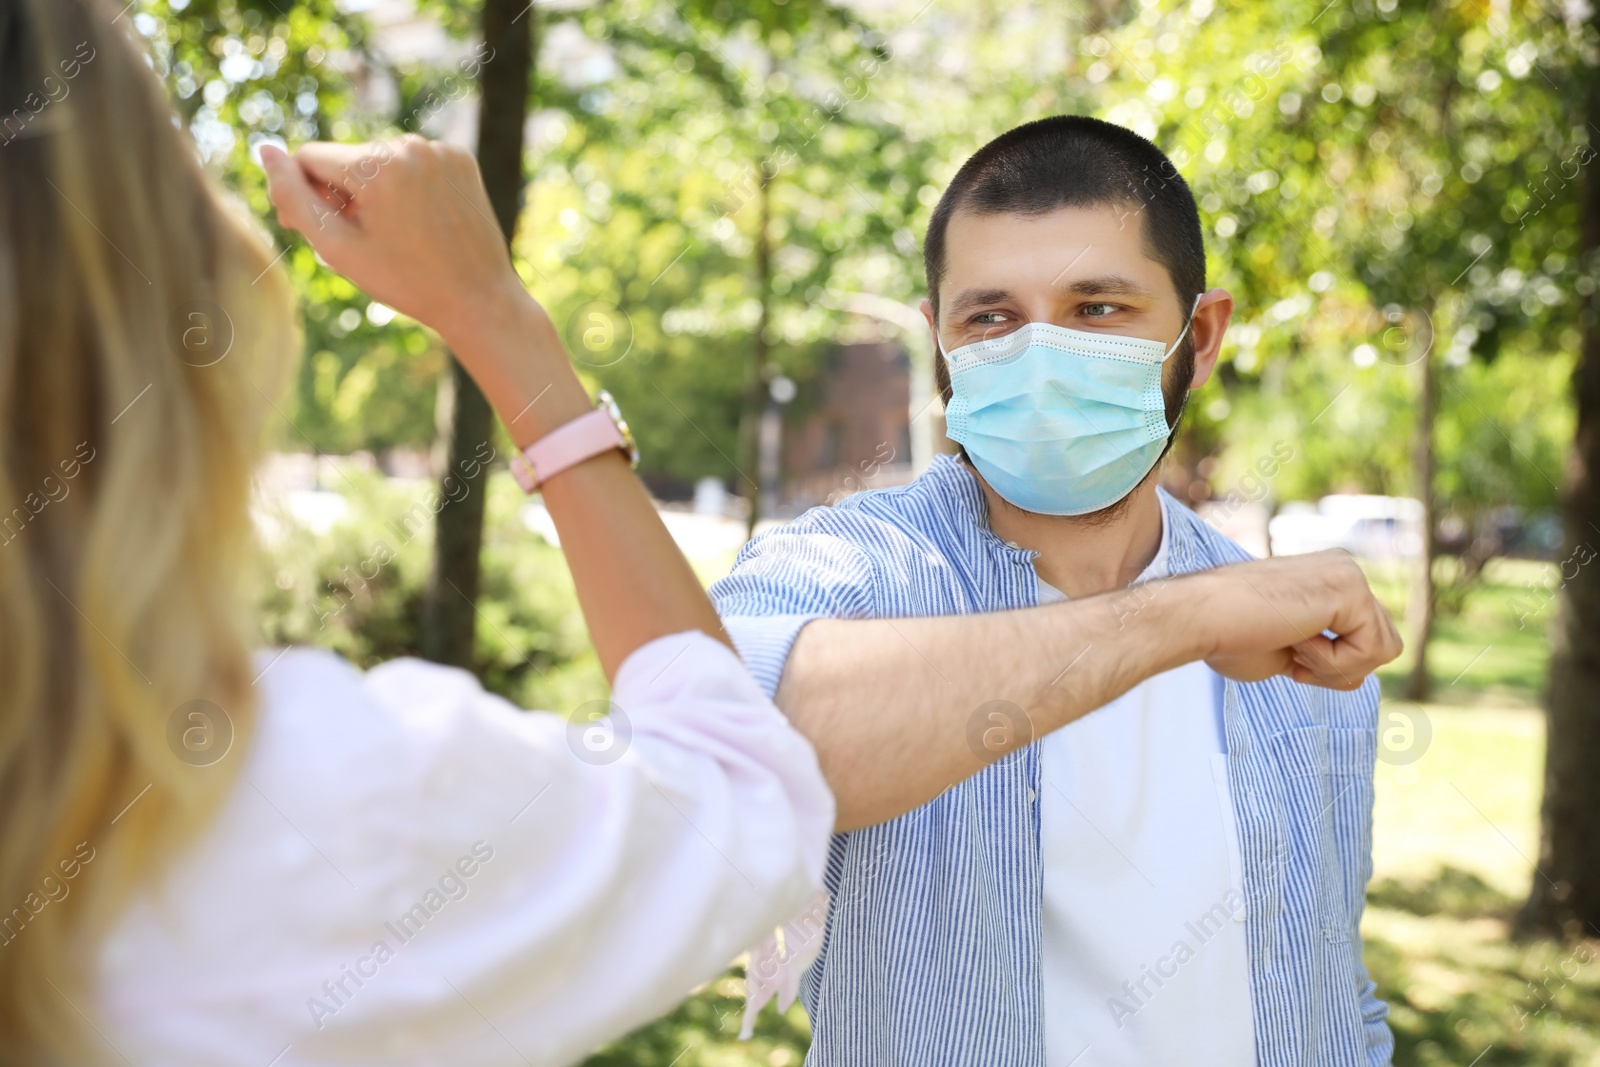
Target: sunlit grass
x,y
1495,648
1455,834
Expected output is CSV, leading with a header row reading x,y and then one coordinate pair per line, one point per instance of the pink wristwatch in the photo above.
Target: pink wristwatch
x,y
583,438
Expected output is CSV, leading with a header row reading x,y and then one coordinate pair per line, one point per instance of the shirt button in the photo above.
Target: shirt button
x,y
1032,796
1012,544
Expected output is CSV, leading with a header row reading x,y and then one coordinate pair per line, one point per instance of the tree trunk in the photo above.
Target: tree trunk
x,y
1566,888
467,423
755,384
1422,600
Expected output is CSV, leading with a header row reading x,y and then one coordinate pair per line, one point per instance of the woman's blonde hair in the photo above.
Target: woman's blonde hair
x,y
143,329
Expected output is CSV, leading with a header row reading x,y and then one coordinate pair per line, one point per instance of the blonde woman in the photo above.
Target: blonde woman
x,y
392,867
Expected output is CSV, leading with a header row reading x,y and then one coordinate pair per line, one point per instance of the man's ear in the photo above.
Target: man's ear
x,y
1211,319
941,369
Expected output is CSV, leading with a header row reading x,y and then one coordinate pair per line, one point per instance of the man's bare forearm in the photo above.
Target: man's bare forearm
x,y
900,709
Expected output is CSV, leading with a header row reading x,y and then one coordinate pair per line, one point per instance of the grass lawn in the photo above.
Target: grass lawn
x,y
1495,649
1455,834
1454,837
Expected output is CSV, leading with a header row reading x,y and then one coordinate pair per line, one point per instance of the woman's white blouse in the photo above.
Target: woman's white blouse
x,y
413,871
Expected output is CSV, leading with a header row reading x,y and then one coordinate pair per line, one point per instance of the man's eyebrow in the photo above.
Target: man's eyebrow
x,y
1106,285
1102,285
971,298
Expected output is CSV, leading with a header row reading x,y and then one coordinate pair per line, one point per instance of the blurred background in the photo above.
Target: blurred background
x,y
722,202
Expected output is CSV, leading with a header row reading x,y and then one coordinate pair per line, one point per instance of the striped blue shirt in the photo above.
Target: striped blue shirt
x,y
931,950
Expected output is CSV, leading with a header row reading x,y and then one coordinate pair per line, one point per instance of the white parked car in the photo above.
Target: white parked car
x,y
1373,527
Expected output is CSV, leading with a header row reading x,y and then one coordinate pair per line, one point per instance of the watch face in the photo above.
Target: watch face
x,y
609,403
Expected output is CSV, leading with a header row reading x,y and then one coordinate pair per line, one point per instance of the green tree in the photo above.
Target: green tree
x,y
689,214
1566,895
467,426
242,72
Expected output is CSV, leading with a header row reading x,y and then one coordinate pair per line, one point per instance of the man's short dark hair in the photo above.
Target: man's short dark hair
x,y
1076,161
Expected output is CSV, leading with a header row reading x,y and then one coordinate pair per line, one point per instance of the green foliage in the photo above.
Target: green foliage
x,y
1379,181
246,72
703,1032
1495,646
646,211
1460,991
1455,833
1454,892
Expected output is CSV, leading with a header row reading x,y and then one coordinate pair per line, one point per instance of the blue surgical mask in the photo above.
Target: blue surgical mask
x,y
1059,421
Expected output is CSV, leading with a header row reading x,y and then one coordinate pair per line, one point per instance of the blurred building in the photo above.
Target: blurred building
x,y
857,436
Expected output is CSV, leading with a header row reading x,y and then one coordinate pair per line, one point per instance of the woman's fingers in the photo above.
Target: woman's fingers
x,y
346,170
407,220
300,204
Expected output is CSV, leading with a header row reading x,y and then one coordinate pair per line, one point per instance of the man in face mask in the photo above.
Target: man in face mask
x,y
1177,877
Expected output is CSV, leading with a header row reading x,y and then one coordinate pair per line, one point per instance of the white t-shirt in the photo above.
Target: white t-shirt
x,y
412,871
1144,959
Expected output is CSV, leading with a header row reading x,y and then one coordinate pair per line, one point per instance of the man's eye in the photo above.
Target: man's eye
x,y
989,318
1098,311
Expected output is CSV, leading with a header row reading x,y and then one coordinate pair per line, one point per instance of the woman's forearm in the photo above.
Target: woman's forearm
x,y
633,583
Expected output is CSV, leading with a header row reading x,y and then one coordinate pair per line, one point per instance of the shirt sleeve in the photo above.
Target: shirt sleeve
x,y
783,580
544,885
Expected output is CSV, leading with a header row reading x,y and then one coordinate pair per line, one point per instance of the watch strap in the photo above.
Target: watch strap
x,y
583,438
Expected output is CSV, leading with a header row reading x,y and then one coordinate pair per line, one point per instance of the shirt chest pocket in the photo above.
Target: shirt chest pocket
x,y
1327,773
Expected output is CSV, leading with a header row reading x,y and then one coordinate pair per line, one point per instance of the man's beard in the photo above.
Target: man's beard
x,y
1177,392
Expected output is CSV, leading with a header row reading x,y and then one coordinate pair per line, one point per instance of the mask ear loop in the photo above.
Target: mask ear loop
x,y
1185,332
1184,404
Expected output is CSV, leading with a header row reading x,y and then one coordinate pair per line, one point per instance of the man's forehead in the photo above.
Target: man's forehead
x,y
1060,247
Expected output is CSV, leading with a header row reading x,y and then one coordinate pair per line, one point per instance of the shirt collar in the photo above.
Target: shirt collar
x,y
956,489
956,486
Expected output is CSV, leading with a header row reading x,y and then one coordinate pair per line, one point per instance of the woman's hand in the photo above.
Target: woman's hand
x,y
410,223
406,220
